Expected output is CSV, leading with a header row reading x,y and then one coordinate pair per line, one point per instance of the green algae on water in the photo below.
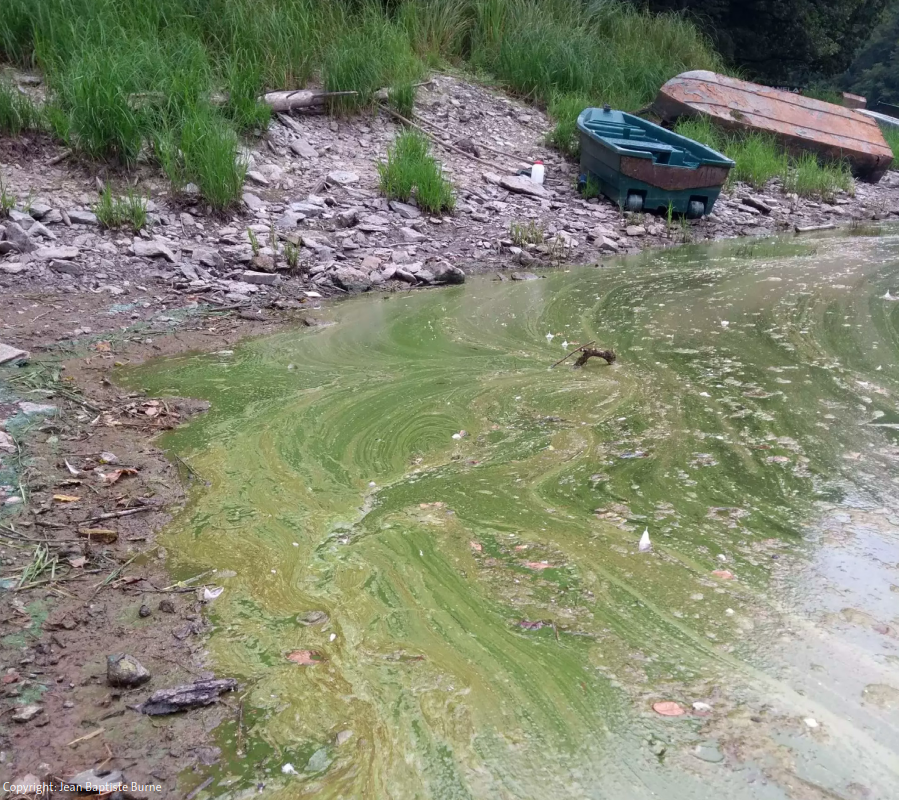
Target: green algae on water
x,y
492,630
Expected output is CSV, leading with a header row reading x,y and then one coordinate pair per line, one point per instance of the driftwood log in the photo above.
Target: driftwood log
x,y
182,698
589,352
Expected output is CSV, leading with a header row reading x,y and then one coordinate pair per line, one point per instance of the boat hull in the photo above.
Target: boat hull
x,y
798,123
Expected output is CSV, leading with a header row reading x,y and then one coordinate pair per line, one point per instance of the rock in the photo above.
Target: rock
x,y
14,268
757,203
167,606
289,220
343,737
445,272
708,751
125,671
410,235
404,275
342,178
52,217
404,210
479,216
102,781
152,248
65,267
29,408
525,276
371,262
27,713
10,353
374,220
260,278
311,210
199,693
635,230
348,218
56,253
521,185
81,217
144,611
351,279
607,245
524,258
7,445
257,177
303,149
425,275
18,237
39,210
252,202
37,229
208,258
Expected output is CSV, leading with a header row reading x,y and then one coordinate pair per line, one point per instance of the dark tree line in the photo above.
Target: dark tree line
x,y
875,71
785,42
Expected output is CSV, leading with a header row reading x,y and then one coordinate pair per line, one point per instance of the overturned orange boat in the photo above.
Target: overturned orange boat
x,y
797,122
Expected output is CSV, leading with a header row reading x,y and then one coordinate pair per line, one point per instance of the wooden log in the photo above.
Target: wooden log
x,y
182,698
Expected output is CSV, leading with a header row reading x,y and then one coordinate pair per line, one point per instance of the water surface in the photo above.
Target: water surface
x,y
492,629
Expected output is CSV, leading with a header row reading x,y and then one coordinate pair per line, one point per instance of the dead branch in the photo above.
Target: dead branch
x,y
589,352
576,350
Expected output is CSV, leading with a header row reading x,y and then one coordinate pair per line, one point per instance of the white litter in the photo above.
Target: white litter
x,y
288,769
211,594
645,544
312,294
701,707
457,436
550,336
811,722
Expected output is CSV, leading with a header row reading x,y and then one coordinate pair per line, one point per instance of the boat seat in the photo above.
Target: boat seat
x,y
644,144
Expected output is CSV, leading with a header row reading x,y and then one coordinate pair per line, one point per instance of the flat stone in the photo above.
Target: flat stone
x,y
39,210
525,276
52,217
303,149
65,267
410,235
607,245
257,177
39,229
260,278
10,353
425,275
208,258
81,217
343,737
14,268
125,671
27,713
342,178
189,272
404,210
310,210
263,263
61,253
521,185
635,230
152,248
7,445
289,220
371,262
375,219
28,408
18,237
252,202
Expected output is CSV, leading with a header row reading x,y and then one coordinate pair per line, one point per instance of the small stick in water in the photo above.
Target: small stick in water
x,y
577,350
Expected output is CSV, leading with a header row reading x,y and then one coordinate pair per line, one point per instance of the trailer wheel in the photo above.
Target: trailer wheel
x,y
695,209
634,203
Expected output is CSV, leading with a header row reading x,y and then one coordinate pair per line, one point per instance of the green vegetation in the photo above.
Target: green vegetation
x,y
17,111
119,212
892,137
758,159
179,80
875,71
411,169
522,233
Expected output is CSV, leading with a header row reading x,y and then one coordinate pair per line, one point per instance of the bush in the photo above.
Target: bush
x,y
411,169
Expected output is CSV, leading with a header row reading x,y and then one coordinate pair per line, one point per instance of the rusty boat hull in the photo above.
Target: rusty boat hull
x,y
798,123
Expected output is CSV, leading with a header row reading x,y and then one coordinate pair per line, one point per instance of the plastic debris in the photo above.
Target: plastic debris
x,y
702,708
811,722
211,594
668,708
288,769
724,574
645,544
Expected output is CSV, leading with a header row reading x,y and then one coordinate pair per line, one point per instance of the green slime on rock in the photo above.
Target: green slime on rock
x,y
493,631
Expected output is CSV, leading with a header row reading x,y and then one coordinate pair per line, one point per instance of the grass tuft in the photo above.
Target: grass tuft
x,y
891,134
120,212
808,177
758,159
17,111
411,169
524,233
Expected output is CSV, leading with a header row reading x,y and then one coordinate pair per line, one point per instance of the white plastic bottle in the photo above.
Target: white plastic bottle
x,y
537,172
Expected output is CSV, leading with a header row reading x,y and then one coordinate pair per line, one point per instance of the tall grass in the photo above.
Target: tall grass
x,y
17,111
410,170
758,158
123,74
891,134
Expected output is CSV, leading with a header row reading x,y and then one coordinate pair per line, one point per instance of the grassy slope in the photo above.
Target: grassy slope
x,y
125,76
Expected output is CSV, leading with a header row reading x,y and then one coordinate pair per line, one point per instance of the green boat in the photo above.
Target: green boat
x,y
644,167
